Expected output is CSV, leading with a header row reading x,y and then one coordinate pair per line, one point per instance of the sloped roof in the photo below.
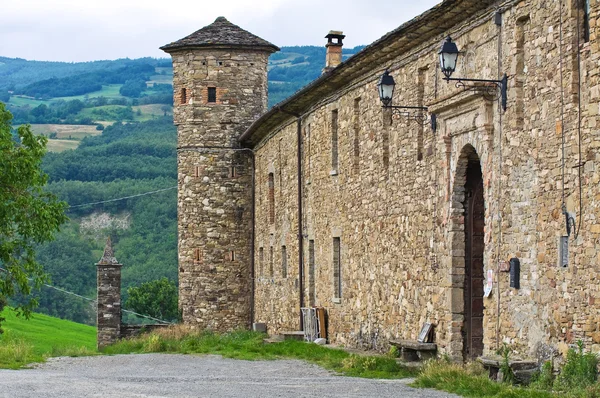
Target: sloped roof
x,y
430,25
221,33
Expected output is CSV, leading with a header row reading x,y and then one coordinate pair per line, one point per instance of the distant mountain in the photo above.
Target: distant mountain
x,y
289,70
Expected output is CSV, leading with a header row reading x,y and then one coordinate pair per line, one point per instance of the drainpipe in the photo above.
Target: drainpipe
x,y
300,232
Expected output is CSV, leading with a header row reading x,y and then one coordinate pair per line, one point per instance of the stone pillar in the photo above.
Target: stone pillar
x,y
109,297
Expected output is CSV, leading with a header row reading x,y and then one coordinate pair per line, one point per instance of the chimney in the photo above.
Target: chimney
x,y
334,50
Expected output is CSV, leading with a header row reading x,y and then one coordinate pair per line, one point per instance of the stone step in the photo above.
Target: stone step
x,y
293,335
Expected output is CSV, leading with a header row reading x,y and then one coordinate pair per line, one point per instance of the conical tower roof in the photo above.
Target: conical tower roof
x,y
108,257
221,33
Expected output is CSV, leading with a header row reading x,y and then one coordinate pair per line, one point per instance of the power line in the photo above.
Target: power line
x,y
94,301
123,198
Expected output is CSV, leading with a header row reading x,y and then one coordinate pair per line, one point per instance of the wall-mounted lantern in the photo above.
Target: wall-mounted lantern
x,y
491,89
386,87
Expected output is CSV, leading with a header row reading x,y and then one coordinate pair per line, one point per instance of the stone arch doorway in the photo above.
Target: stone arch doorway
x,y
468,268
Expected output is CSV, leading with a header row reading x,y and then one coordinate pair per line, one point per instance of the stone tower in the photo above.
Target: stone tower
x,y
220,88
109,297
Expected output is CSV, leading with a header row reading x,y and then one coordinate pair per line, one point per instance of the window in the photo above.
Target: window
x,y
312,292
271,198
183,98
212,94
271,258
197,255
586,20
232,255
284,262
261,261
307,144
356,124
334,141
337,272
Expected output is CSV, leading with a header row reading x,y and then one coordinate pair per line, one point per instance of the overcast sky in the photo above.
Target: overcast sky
x,y
85,30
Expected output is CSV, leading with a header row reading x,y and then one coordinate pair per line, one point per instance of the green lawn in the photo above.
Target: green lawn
x,y
61,145
23,101
108,91
27,341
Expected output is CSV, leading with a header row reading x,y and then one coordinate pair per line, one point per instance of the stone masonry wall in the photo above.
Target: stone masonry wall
x,y
215,182
396,198
109,304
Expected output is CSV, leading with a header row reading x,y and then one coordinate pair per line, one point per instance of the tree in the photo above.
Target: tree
x,y
156,298
28,215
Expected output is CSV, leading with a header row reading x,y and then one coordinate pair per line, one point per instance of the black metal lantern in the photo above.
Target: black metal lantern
x,y
386,88
490,89
448,57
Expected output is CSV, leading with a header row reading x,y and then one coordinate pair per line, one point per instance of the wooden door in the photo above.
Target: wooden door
x,y
474,275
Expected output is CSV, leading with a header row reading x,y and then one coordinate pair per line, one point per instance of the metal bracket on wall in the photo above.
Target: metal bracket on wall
x,y
491,90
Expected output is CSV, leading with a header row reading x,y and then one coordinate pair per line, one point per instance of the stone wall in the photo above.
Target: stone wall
x,y
396,200
215,182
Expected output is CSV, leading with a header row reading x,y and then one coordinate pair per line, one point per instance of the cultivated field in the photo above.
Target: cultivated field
x,y
61,145
66,131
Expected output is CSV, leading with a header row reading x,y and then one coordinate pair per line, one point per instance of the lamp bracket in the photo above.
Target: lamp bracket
x,y
491,90
416,113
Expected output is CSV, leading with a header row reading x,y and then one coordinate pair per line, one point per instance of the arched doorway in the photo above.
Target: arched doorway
x,y
474,222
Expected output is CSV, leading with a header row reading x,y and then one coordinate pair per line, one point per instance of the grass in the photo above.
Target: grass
x,y
250,346
107,91
66,131
28,341
61,145
23,101
471,380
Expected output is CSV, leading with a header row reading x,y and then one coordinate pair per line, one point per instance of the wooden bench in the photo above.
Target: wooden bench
x,y
522,369
412,350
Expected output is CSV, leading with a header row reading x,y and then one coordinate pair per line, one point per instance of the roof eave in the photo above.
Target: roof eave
x,y
170,48
443,11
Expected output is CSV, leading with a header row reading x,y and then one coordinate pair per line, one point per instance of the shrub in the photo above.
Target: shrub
x,y
580,369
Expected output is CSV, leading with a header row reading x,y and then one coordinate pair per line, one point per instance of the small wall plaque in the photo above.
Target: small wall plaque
x,y
504,266
425,334
487,290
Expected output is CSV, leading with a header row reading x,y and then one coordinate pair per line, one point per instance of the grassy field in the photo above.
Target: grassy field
x,y
66,131
152,110
161,79
34,340
23,101
67,135
61,145
108,91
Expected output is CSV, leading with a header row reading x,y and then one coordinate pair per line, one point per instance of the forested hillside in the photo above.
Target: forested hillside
x,y
115,116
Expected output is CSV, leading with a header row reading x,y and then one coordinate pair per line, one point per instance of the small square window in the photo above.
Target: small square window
x,y
212,94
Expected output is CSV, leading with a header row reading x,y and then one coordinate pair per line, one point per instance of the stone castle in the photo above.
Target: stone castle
x,y
390,218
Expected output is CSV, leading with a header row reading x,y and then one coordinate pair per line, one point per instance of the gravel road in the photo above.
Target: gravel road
x,y
164,375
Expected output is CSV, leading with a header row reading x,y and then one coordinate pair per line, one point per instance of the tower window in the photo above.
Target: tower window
x,y
183,96
212,94
197,255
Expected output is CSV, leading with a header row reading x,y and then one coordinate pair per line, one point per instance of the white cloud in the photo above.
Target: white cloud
x,y
75,30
